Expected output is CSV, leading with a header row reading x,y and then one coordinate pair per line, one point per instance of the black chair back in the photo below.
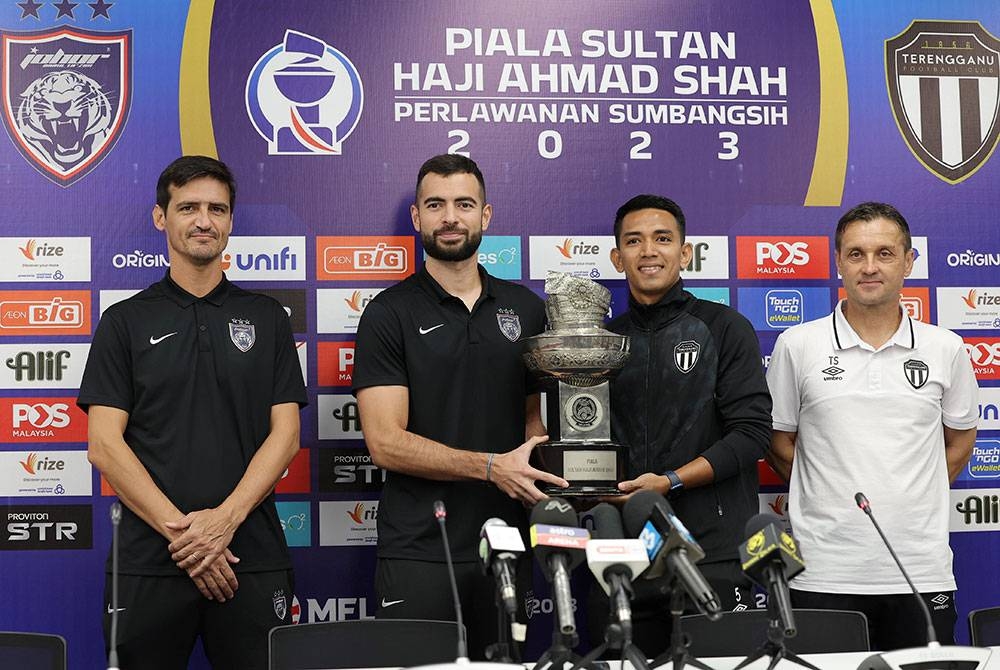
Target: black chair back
x,y
38,651
741,633
984,627
368,643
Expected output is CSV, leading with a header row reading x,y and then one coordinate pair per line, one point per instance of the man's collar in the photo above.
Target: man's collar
x,y
429,283
217,296
845,337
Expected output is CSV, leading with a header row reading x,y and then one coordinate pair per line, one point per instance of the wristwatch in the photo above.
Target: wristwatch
x,y
676,485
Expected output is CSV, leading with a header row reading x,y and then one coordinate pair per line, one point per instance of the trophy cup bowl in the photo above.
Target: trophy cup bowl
x,y
584,357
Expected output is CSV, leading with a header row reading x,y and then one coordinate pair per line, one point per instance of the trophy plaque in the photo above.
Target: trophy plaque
x,y
579,356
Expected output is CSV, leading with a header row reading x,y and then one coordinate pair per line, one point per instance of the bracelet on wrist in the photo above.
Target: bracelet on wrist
x,y
489,467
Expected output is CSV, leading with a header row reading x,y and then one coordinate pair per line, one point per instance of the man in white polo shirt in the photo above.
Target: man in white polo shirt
x,y
869,399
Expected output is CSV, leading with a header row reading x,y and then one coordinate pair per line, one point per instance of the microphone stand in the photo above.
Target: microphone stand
x,y
617,635
678,653
775,647
504,650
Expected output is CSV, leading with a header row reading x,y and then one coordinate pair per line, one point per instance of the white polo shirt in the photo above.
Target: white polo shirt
x,y
871,421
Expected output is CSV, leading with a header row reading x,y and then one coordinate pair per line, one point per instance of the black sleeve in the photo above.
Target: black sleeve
x,y
107,378
379,356
288,380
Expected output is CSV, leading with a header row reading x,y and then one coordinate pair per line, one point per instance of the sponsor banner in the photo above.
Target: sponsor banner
x,y
294,302
984,465
584,256
338,417
348,523
709,258
301,349
296,478
338,310
782,257
42,420
333,609
45,473
367,257
920,256
349,471
984,352
44,313
971,258
974,510
774,503
265,258
137,259
44,259
296,521
109,297
717,294
771,309
501,256
989,408
968,308
47,527
915,300
334,363
42,366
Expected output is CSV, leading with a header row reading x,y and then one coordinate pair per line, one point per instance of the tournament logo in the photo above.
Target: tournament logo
x,y
66,97
510,324
304,97
686,355
243,334
917,373
943,79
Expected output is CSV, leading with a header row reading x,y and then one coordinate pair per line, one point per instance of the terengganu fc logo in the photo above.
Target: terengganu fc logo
x,y
304,97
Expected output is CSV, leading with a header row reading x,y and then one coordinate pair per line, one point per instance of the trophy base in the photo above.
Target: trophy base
x,y
591,468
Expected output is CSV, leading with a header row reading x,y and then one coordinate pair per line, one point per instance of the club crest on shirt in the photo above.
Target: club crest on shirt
x,y
510,324
686,355
242,333
280,604
917,373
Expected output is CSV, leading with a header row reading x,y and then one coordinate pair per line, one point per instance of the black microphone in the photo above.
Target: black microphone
x,y
615,561
671,547
499,547
116,518
866,507
559,546
770,558
463,650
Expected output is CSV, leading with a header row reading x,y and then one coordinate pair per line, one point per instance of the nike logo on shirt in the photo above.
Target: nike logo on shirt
x,y
157,340
112,611
390,603
424,331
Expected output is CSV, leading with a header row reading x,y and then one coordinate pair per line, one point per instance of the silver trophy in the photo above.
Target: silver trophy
x,y
581,356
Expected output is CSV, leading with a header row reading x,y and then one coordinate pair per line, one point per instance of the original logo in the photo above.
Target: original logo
x,y
943,78
66,97
917,373
364,258
782,258
304,97
510,324
686,355
47,527
972,259
243,334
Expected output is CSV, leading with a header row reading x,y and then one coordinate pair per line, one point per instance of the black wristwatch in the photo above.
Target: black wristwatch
x,y
676,485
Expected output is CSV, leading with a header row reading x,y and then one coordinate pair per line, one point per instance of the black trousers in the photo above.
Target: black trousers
x,y
160,618
406,589
894,621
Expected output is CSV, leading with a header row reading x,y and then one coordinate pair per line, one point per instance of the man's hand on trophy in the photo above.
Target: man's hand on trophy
x,y
513,475
644,482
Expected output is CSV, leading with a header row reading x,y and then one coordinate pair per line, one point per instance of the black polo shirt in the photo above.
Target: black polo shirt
x,y
467,386
198,377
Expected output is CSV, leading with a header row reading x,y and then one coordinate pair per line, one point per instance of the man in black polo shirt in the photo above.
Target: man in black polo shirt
x,y
193,389
447,406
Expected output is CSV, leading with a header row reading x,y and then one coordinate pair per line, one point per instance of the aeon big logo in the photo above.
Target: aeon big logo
x,y
304,97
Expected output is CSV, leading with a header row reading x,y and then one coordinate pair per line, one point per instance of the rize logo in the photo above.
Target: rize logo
x,y
34,465
363,514
571,249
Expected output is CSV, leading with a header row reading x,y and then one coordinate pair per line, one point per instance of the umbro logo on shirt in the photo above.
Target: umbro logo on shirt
x,y
833,373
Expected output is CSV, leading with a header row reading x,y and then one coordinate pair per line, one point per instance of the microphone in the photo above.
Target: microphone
x,y
559,546
670,547
463,650
116,519
499,547
615,561
770,558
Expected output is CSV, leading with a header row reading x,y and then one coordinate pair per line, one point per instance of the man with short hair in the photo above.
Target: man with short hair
x,y
193,389
447,406
691,405
870,399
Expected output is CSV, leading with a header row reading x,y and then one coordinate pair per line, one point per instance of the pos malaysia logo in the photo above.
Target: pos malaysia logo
x,y
304,97
66,97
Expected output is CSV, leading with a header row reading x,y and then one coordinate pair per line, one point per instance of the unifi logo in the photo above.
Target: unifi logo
x,y
363,513
32,250
34,465
285,259
570,250
975,300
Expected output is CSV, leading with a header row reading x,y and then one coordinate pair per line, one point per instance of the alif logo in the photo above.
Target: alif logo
x,y
46,527
980,510
38,365
348,416
943,79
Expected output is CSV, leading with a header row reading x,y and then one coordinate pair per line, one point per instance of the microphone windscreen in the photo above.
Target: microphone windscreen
x,y
760,522
554,512
638,508
607,523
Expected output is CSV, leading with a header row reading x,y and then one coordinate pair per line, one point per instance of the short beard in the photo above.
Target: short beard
x,y
462,252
